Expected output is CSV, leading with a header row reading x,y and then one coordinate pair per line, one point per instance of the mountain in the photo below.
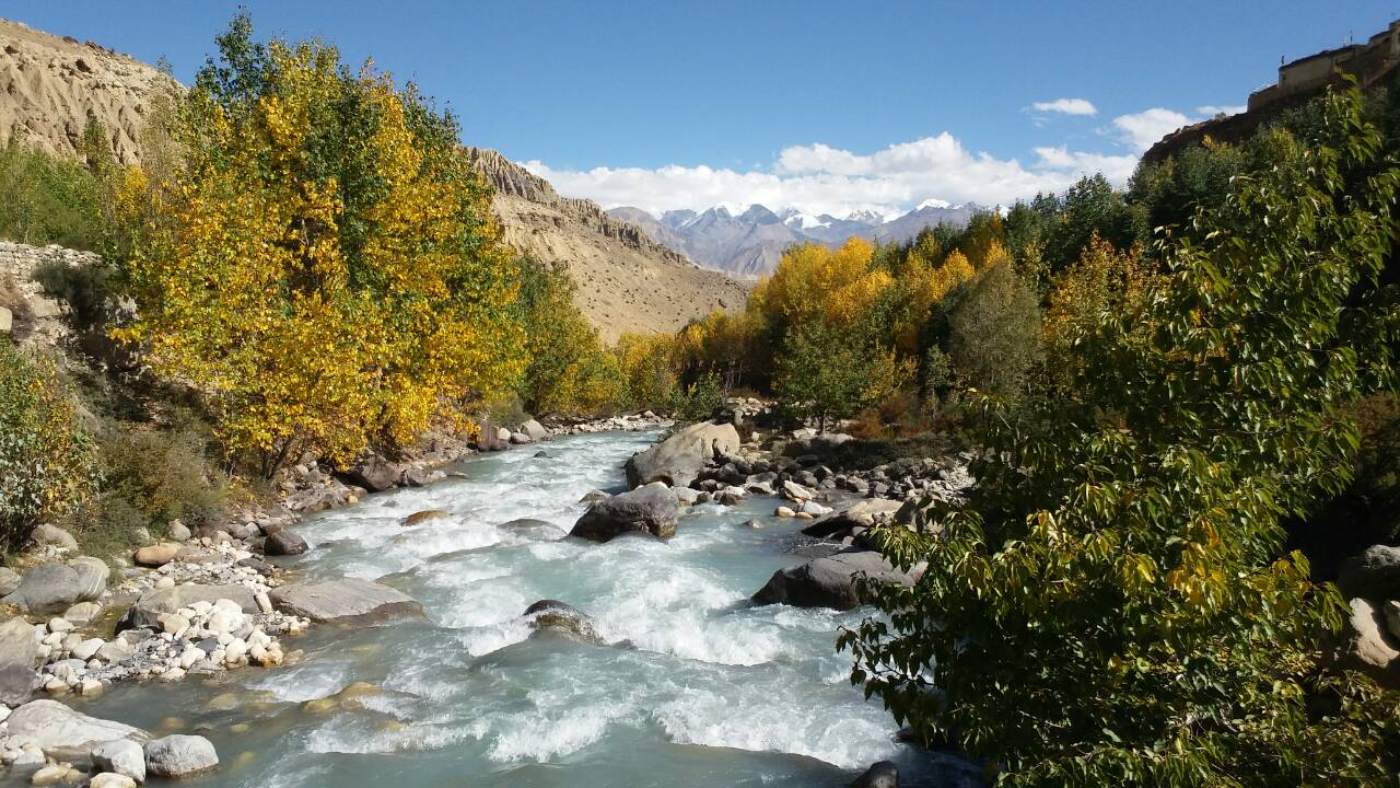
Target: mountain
x,y
626,281
50,86
750,244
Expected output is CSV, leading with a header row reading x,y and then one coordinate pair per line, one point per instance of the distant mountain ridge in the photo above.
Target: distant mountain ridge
x,y
749,244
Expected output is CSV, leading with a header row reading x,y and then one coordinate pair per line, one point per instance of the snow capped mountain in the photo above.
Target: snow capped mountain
x,y
748,242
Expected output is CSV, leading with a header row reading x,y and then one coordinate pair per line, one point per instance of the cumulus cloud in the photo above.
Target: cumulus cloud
x,y
819,179
1066,106
1141,129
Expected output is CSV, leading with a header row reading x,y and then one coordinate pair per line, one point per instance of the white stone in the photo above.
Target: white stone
x,y
58,624
86,649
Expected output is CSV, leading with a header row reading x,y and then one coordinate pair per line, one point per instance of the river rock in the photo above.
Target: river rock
x,y
795,492
551,615
82,613
418,518
53,588
9,581
882,774
375,474
178,531
679,459
1374,574
153,604
121,756
19,652
832,581
180,756
537,530
46,535
347,600
1371,650
111,780
284,542
651,510
156,555
63,733
535,430
685,496
864,513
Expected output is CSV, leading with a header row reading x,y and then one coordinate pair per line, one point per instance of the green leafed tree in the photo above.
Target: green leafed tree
x,y
1115,603
825,373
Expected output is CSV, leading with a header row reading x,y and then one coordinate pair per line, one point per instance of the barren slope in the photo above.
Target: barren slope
x,y
626,281
49,86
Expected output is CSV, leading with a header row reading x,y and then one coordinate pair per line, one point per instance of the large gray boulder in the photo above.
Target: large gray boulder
x,y
1375,574
121,756
535,430
347,600
651,509
284,542
9,580
63,733
180,756
153,604
881,774
679,459
53,588
375,474
46,535
832,581
19,652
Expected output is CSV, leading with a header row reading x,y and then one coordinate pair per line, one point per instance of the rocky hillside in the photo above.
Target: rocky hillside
x,y
626,281
50,86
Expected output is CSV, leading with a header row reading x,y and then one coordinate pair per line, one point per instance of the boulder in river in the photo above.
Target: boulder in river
x,y
535,430
881,774
284,542
679,459
52,588
347,600
537,530
551,615
121,756
418,518
861,514
650,510
63,733
19,652
375,474
180,756
153,604
831,582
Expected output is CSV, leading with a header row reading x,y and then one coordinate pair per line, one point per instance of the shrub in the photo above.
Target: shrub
x,y
569,371
49,199
48,465
995,332
824,374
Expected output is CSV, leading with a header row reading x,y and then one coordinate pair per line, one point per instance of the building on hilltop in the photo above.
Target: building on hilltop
x,y
1298,82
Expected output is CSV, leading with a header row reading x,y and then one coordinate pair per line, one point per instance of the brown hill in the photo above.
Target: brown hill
x,y
626,281
50,86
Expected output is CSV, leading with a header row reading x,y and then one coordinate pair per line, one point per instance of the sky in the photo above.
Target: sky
x,y
819,107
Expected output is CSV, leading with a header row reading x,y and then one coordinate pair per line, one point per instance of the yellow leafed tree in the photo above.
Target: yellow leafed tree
x,y
322,266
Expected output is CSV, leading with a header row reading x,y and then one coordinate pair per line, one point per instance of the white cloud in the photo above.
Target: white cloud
x,y
818,178
1211,110
1139,131
1066,106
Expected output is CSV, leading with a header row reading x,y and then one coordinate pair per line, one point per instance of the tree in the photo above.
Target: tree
x,y
48,461
1115,604
995,331
322,265
828,374
569,371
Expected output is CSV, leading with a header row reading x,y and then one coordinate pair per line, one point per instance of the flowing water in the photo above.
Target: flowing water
x,y
697,688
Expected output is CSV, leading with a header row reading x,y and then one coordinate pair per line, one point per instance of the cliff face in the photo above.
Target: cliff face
x,y
50,86
626,281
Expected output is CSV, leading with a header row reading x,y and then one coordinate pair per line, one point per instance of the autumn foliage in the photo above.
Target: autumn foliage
x,y
322,265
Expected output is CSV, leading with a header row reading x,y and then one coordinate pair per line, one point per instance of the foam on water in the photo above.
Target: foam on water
x,y
476,696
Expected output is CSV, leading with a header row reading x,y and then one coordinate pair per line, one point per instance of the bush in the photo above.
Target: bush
x,y
48,465
49,199
995,332
569,372
158,476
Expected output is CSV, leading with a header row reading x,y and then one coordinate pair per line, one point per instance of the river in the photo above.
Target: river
x,y
697,688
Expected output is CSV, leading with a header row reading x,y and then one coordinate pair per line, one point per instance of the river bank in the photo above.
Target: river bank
x,y
672,619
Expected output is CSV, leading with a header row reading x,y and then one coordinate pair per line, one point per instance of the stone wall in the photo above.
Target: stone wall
x,y
36,319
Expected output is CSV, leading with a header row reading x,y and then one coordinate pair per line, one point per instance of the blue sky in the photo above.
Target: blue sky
x,y
820,106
